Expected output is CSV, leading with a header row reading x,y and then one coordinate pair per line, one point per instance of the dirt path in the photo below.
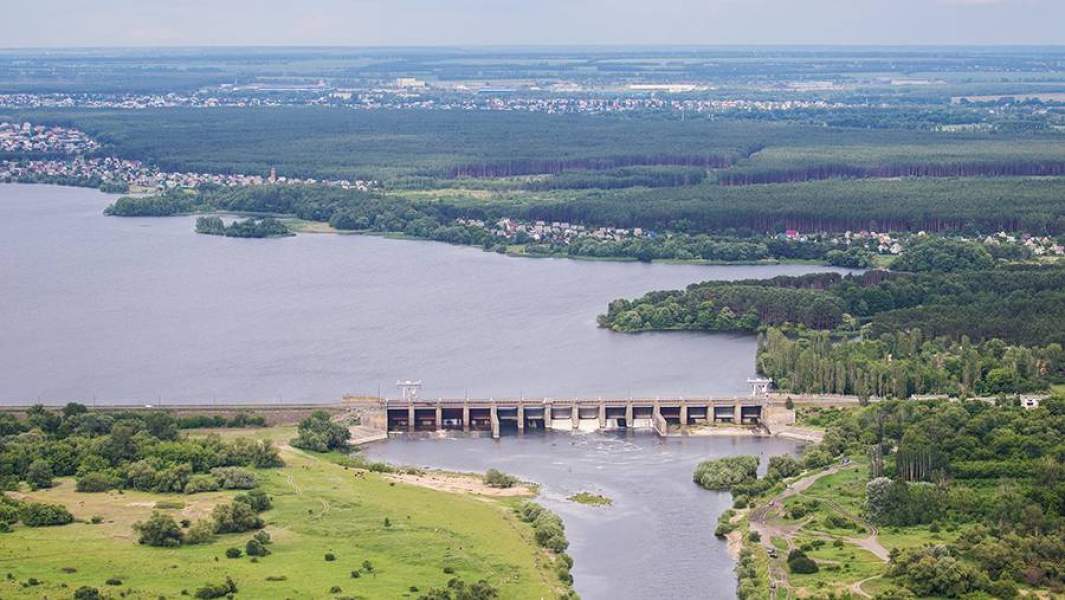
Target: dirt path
x,y
856,587
759,521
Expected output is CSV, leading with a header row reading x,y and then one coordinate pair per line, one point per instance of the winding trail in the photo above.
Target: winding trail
x,y
759,521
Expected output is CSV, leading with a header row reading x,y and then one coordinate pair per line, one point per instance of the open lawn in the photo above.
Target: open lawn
x,y
320,507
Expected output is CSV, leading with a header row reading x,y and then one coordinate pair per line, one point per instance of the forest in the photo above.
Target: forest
x,y
390,145
981,482
984,331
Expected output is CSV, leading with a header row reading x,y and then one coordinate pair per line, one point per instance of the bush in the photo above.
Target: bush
x,y
233,553
458,589
549,532
202,483
255,548
38,514
39,474
96,481
318,433
201,532
498,479
724,473
236,517
262,537
330,557
799,563
529,511
9,510
87,593
257,500
234,478
782,467
217,590
159,530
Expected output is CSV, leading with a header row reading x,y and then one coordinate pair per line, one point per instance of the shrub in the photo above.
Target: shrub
x,y
159,530
754,536
799,563
262,537
87,593
236,517
549,532
456,588
96,519
356,574
255,548
38,514
173,478
724,473
216,590
202,483
724,523
782,467
498,479
335,589
96,481
39,474
318,433
234,478
201,532
256,499
233,553
9,510
114,581
330,557
528,511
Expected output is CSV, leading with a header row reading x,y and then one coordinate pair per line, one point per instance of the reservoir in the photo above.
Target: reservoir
x,y
657,538
108,310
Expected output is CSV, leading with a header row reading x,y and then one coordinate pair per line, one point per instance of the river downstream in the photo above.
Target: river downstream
x,y
655,541
109,310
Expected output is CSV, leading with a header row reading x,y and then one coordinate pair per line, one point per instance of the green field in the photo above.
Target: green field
x,y
319,507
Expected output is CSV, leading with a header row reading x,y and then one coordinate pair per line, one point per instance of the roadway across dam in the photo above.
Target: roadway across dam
x,y
663,415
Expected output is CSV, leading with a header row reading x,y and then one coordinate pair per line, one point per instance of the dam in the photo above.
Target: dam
x,y
663,415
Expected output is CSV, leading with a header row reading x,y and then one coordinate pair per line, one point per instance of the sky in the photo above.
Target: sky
x,y
53,23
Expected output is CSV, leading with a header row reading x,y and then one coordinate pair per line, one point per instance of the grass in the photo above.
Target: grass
x,y
590,499
840,567
319,507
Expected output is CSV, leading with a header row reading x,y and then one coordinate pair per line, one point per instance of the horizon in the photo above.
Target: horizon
x,y
449,23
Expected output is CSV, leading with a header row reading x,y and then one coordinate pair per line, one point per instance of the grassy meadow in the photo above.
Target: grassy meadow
x,y
319,507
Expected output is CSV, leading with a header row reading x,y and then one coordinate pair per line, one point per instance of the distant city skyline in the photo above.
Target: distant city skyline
x,y
145,23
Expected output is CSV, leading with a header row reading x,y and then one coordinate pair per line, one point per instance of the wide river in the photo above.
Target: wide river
x,y
143,310
112,310
655,541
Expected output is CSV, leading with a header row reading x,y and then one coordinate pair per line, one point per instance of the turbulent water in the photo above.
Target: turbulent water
x,y
655,541
144,310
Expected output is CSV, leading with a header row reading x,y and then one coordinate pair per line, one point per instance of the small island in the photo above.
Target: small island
x,y
248,228
590,499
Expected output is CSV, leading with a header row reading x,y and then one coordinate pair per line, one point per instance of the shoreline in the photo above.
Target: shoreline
x,y
301,226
